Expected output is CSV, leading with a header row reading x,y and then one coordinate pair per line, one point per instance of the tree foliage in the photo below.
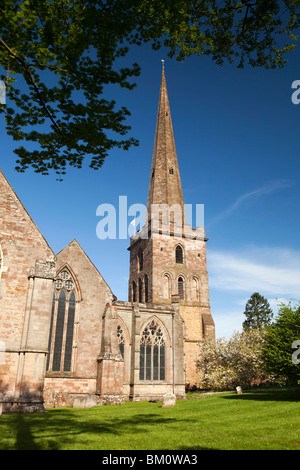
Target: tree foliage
x,y
225,364
279,347
258,312
58,56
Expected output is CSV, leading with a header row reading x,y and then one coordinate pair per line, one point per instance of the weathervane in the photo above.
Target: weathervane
x,y
163,63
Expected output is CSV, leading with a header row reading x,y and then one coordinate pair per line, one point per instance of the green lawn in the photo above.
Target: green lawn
x,y
253,420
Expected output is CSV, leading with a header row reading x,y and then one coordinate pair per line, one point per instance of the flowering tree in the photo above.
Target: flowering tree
x,y
225,364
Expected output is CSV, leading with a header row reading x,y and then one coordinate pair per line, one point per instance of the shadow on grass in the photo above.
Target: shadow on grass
x,y
267,395
63,428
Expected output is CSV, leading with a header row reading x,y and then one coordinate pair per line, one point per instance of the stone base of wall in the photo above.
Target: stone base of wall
x,y
21,407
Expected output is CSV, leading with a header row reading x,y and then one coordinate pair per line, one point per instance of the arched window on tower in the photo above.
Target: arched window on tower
x,y
179,254
141,260
195,288
140,290
167,286
181,287
152,353
133,291
61,335
146,288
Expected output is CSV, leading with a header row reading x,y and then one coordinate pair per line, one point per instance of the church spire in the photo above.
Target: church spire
x,y
165,183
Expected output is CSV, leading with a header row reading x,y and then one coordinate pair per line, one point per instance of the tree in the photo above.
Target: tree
x,y
58,57
225,364
258,312
283,336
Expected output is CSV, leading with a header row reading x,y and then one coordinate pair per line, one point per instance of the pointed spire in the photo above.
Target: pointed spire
x,y
165,183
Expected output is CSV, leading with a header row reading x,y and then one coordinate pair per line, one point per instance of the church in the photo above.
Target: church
x,y
67,340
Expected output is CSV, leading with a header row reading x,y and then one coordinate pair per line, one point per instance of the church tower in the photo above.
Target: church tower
x,y
167,256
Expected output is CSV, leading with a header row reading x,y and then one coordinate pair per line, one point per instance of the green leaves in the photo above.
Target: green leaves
x,y
62,54
258,312
280,337
57,57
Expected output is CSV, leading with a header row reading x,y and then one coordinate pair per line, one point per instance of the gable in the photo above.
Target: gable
x,y
86,272
16,223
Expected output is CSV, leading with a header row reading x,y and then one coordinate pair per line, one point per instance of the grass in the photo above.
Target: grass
x,y
257,420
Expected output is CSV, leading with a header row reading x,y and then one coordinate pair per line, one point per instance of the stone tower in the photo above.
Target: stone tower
x,y
168,257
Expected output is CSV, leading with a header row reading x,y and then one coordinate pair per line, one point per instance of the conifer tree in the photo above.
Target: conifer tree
x,y
258,312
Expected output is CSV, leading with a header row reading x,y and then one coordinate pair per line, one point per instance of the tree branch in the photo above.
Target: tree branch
x,y
23,63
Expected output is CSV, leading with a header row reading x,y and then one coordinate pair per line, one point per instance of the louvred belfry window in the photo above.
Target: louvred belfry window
x,y
62,326
152,353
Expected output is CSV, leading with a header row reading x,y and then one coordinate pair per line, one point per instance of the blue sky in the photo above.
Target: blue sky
x,y
237,140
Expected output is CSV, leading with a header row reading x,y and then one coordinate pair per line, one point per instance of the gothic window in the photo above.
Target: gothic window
x,y
181,287
140,290
61,336
133,291
121,340
195,288
60,320
167,286
152,353
146,288
141,260
70,333
171,171
179,254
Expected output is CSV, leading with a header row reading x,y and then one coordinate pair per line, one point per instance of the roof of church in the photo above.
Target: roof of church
x,y
165,183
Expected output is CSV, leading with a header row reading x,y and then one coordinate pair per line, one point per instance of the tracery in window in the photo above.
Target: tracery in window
x,y
62,325
152,353
121,340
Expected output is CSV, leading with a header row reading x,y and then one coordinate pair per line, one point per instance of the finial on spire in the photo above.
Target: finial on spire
x,y
163,63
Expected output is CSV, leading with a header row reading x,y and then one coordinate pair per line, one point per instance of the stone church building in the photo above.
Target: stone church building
x,y
67,340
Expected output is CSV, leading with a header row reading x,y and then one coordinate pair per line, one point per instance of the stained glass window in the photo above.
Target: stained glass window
x,y
69,333
62,325
152,353
60,319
